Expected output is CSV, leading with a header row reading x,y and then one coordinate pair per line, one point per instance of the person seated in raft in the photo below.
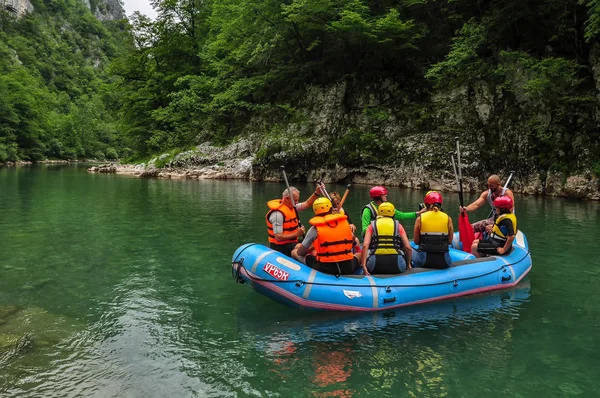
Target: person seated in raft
x,y
501,233
495,190
282,220
332,239
369,211
389,251
336,199
433,233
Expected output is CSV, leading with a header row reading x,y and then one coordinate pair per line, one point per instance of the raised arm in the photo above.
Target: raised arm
x,y
310,200
477,204
365,251
411,215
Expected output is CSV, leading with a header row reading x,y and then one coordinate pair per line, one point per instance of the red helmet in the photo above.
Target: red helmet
x,y
377,191
503,202
433,197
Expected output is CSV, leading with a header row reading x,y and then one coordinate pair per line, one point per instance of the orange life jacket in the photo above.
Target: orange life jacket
x,y
334,238
290,221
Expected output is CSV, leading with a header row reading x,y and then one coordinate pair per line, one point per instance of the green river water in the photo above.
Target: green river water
x,y
114,286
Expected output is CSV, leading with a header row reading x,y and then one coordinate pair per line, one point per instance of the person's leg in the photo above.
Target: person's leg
x,y
298,257
474,248
486,248
401,263
371,262
418,258
448,259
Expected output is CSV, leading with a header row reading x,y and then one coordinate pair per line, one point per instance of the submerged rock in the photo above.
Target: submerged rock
x,y
6,311
13,346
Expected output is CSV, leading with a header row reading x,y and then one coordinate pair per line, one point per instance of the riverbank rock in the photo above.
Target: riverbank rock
x,y
104,168
209,162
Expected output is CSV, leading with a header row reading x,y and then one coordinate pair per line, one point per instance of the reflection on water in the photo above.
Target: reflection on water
x,y
388,348
118,286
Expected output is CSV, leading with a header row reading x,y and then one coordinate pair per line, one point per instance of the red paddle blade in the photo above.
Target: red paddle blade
x,y
465,232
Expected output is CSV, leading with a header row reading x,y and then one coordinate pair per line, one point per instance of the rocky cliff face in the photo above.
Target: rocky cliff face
x,y
18,7
104,10
108,10
239,161
375,135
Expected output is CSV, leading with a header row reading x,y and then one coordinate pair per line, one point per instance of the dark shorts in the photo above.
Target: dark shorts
x,y
431,260
489,247
286,248
386,264
346,267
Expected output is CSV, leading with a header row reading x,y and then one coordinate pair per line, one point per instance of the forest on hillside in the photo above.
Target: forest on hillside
x,y
54,96
205,69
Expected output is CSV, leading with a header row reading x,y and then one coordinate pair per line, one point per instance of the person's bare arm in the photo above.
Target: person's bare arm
x,y
407,250
365,251
417,232
302,251
290,235
509,241
307,204
511,195
477,204
450,231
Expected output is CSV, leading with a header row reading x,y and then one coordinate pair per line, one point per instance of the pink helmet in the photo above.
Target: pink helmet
x,y
433,197
377,191
503,202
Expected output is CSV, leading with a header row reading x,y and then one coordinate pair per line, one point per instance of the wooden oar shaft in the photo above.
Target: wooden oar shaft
x,y
345,196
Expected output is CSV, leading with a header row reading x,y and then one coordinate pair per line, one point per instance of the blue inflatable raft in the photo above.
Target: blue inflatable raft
x,y
293,283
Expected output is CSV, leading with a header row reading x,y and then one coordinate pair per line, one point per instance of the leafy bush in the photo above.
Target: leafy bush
x,y
356,147
111,154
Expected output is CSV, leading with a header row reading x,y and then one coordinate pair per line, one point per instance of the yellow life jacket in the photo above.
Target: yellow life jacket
x,y
334,238
434,231
386,236
290,221
497,233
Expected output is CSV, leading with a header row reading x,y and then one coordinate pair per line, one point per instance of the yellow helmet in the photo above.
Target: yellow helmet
x,y
322,205
386,209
